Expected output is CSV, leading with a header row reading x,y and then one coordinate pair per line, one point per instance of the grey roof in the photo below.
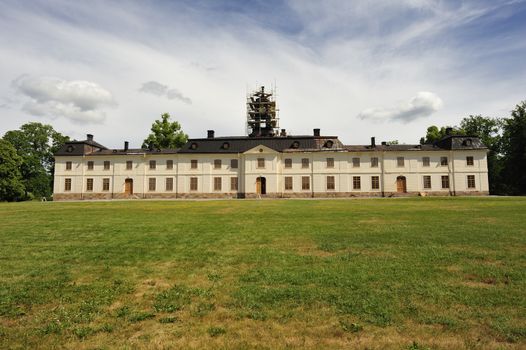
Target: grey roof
x,y
279,144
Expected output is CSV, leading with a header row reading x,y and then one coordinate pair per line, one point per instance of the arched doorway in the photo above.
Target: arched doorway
x,y
261,185
401,185
128,187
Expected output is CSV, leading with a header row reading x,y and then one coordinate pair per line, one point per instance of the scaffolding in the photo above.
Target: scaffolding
x,y
262,114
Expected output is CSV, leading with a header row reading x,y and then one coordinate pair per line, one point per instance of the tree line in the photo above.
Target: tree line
x,y
27,161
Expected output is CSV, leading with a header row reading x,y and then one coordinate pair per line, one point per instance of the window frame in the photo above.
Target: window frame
x,y
218,164
105,184
374,162
107,165
330,183
375,180
330,163
194,163
427,185
67,184
129,165
471,184
444,161
234,183
169,184
426,162
69,165
234,163
400,162
305,163
218,183
356,183
260,163
169,164
305,183
444,180
152,164
152,184
470,161
289,183
90,165
89,184
194,183
288,163
356,162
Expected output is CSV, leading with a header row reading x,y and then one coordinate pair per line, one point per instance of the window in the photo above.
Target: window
x,y
356,162
374,162
288,163
356,183
233,163
261,163
471,181
217,164
288,183
193,164
305,183
425,161
445,181
193,184
427,181
151,183
400,161
330,183
169,184
443,161
305,163
153,164
469,161
233,184
375,182
89,184
106,184
129,165
68,165
90,165
169,164
217,184
106,165
330,162
67,184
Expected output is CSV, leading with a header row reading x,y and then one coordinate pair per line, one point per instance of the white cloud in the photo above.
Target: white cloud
x,y
158,89
424,104
77,100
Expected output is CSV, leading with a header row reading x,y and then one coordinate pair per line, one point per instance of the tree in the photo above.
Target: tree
x,y
165,134
11,186
36,144
435,134
514,150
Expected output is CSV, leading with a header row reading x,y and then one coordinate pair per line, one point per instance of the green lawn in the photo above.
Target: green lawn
x,y
411,273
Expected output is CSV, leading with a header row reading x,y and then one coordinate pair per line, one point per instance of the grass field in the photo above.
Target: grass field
x,y
412,273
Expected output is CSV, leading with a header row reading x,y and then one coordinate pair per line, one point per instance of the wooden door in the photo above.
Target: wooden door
x,y
258,185
401,184
128,186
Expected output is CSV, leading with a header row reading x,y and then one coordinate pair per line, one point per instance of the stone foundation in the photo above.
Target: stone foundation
x,y
106,196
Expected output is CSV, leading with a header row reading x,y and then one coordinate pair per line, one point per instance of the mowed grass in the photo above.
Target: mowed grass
x,y
412,273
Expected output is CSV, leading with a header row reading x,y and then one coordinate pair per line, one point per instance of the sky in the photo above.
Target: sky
x,y
354,69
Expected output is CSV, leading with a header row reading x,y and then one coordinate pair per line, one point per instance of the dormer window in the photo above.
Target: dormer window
x,y
193,146
70,149
329,144
295,144
226,145
468,142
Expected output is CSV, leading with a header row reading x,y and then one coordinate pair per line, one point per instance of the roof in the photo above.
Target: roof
x,y
278,144
288,144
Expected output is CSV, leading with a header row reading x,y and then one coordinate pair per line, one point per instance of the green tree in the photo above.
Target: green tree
x,y
11,186
36,144
434,134
165,134
514,150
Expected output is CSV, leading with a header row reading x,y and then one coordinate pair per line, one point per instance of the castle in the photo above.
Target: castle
x,y
270,163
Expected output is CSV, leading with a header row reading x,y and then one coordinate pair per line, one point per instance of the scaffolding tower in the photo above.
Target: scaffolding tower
x,y
262,114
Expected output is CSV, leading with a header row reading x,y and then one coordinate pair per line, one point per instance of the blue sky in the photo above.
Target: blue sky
x,y
352,68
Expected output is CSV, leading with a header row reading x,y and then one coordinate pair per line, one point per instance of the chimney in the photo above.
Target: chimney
x,y
384,143
210,134
316,132
449,131
126,145
90,137
373,142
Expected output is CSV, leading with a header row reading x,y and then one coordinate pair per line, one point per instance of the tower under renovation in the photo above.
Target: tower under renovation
x,y
262,117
